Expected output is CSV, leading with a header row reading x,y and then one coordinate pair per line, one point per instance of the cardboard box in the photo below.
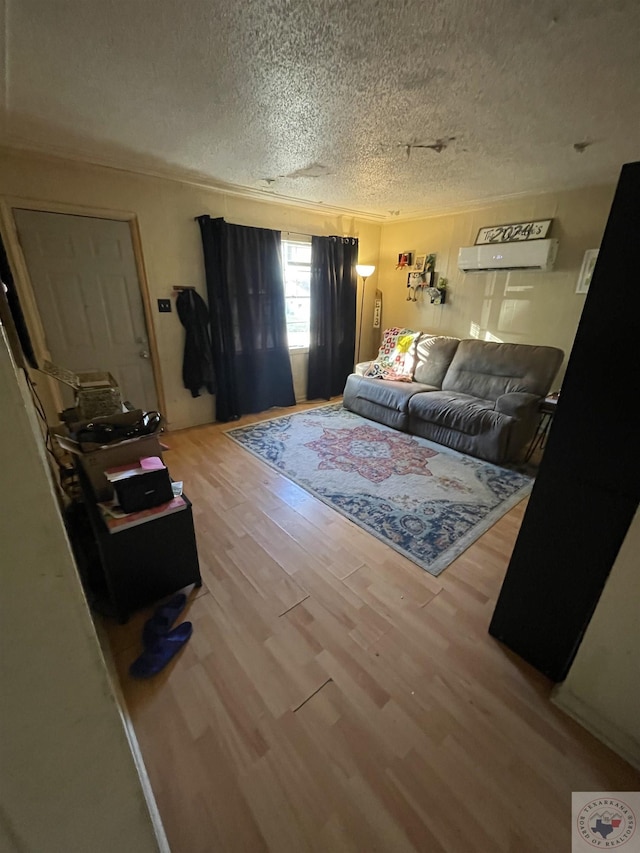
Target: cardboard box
x,y
95,458
96,392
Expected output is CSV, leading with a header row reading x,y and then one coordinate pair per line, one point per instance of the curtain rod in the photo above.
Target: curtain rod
x,y
329,236
298,234
288,233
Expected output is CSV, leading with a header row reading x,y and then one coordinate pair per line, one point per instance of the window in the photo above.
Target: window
x,y
296,262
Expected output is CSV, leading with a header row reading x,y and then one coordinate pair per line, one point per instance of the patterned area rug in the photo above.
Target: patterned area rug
x,y
426,501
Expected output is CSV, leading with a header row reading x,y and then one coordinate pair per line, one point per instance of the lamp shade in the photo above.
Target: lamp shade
x,y
365,270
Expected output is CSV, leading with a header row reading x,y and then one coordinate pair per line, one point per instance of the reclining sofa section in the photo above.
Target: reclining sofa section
x,y
476,397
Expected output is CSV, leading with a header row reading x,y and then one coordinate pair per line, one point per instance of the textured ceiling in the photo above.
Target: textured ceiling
x,y
370,106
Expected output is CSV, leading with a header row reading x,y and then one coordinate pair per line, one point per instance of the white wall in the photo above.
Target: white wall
x,y
540,308
299,364
68,780
517,307
528,307
171,244
602,689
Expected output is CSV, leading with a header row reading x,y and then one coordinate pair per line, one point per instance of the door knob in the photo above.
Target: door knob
x,y
144,354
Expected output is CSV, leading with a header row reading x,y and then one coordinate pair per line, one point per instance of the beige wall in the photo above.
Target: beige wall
x,y
68,779
170,238
525,307
52,623
602,689
529,307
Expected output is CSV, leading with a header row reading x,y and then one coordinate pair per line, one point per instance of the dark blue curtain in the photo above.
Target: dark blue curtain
x,y
245,287
333,315
15,310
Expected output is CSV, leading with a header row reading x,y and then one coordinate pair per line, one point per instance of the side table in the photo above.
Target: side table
x,y
146,562
547,410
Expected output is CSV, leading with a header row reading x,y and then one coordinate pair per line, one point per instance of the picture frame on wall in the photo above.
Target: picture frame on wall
x,y
419,263
586,270
514,232
429,269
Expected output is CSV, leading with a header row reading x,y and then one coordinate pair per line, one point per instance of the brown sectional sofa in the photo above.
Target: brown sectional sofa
x,y
477,397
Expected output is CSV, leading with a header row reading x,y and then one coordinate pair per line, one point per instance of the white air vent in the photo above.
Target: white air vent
x,y
524,255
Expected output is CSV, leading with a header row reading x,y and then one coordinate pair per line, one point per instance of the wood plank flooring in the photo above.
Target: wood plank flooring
x,y
335,697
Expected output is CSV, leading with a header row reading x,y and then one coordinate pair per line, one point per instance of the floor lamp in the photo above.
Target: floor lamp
x,y
364,271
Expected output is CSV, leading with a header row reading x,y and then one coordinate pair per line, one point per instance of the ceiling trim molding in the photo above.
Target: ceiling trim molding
x,y
18,147
468,207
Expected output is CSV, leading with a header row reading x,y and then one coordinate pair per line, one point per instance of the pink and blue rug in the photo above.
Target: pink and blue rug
x,y
424,500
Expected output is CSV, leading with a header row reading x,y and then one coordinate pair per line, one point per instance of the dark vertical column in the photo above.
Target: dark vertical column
x,y
11,315
588,485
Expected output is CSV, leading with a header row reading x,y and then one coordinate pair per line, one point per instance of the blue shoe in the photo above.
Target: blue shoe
x,y
157,656
160,623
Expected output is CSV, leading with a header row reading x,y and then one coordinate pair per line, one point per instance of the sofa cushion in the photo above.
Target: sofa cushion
x,y
396,356
433,357
492,445
460,412
487,370
389,394
487,405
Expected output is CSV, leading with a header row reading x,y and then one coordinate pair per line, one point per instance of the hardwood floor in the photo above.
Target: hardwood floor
x,y
335,697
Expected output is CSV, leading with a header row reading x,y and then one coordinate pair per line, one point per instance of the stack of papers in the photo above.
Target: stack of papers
x,y
133,469
117,520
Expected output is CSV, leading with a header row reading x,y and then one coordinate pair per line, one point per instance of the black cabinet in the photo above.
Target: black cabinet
x,y
144,563
588,485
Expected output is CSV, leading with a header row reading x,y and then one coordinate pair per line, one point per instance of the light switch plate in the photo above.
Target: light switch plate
x,y
164,306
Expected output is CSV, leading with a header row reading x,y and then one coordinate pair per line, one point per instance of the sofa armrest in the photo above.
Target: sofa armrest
x,y
524,408
519,405
362,367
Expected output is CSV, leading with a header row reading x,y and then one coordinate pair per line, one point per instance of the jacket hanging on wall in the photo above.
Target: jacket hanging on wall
x,y
197,364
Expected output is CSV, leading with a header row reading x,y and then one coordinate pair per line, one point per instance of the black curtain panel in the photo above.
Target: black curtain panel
x,y
245,287
333,315
6,281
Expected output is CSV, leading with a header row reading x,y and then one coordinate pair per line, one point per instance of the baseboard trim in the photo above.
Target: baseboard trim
x,y
623,744
154,814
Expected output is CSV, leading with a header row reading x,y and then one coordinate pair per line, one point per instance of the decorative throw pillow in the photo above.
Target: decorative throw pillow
x,y
396,356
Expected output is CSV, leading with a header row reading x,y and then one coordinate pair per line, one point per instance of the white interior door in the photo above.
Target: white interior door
x,y
85,282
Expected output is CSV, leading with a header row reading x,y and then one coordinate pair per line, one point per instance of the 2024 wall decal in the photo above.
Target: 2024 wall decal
x,y
514,232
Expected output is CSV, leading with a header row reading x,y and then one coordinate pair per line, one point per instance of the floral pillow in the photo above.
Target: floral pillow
x,y
396,356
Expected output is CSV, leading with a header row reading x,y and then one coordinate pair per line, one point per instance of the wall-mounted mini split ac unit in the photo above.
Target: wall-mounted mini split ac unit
x,y
524,255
